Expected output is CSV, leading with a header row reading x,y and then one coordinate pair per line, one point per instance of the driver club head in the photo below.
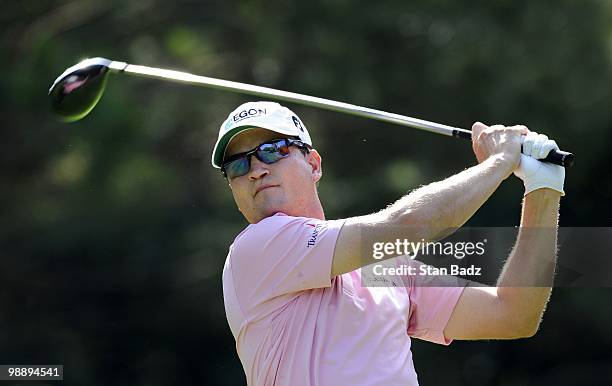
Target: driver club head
x,y
78,89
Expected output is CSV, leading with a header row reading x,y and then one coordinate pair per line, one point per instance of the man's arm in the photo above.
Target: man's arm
x,y
424,212
514,308
440,206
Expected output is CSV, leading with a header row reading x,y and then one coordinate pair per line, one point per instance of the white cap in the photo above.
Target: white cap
x,y
267,115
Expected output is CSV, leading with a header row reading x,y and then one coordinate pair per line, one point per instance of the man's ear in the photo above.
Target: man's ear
x,y
314,160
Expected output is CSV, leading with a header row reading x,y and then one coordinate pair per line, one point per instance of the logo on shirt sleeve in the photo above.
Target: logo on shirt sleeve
x,y
312,240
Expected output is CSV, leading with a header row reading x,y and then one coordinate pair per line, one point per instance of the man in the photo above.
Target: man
x,y
291,282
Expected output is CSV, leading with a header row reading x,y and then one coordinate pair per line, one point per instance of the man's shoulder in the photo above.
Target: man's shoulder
x,y
279,234
270,227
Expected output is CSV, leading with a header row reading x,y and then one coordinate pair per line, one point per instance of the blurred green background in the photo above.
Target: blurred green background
x,y
114,229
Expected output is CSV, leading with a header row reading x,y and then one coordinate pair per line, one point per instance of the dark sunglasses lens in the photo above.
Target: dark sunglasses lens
x,y
268,153
237,168
272,152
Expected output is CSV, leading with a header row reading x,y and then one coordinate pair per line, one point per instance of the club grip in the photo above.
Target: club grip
x,y
557,157
560,157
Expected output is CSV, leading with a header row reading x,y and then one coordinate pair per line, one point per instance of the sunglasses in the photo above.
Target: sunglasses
x,y
268,152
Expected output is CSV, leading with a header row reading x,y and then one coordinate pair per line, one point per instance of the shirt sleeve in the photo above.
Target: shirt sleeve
x,y
432,301
282,255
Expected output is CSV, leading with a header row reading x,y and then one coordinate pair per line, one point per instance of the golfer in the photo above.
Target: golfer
x,y
292,285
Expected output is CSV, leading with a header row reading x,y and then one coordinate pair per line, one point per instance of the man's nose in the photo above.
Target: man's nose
x,y
258,169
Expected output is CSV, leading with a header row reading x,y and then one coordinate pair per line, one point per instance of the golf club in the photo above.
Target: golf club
x,y
77,91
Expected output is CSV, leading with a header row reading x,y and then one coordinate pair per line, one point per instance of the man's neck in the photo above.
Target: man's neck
x,y
313,211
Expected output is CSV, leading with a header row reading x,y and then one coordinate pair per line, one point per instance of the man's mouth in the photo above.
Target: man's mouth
x,y
263,187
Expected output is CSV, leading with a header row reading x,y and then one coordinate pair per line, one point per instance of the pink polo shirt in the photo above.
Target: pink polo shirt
x,y
294,325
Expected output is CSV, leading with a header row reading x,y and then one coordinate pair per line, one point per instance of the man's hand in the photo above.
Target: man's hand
x,y
498,141
536,174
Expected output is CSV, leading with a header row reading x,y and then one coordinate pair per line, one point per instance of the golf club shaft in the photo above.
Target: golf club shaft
x,y
557,157
287,96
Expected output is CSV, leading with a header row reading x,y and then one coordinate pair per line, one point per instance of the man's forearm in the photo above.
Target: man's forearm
x,y
526,280
451,202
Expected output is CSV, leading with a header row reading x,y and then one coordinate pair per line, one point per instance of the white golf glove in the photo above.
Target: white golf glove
x,y
536,174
